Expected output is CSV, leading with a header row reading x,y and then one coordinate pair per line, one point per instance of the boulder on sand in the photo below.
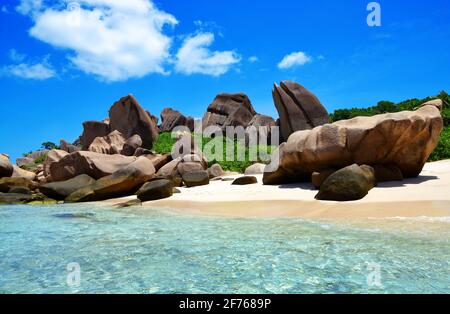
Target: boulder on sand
x,y
348,184
6,168
122,182
317,178
155,190
110,144
245,180
196,178
93,164
298,108
385,173
172,118
405,139
229,110
255,169
215,171
129,118
60,190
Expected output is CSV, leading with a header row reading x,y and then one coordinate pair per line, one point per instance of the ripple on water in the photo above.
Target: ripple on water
x,y
165,253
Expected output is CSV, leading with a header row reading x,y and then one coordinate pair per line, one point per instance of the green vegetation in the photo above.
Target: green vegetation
x,y
40,160
442,151
209,146
49,145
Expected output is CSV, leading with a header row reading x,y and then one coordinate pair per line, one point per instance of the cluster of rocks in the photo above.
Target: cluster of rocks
x,y
113,157
393,145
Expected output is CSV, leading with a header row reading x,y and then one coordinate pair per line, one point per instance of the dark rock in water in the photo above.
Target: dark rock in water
x,y
172,118
15,198
60,190
347,184
246,180
317,178
155,190
129,203
6,168
75,215
196,178
131,145
385,173
122,182
229,110
19,190
7,183
215,171
92,130
129,118
299,109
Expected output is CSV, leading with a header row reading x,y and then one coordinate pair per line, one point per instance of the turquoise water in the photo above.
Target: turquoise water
x,y
160,252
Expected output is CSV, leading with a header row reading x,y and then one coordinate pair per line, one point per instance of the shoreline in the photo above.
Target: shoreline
x,y
425,196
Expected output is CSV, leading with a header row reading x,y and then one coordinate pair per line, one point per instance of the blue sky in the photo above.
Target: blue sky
x,y
65,62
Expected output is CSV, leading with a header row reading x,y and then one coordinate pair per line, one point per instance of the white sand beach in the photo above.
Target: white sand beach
x,y
425,196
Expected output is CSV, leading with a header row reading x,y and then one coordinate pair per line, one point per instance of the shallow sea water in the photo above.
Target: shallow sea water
x,y
127,251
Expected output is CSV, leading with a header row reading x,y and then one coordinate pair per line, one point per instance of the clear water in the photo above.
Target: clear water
x,y
160,252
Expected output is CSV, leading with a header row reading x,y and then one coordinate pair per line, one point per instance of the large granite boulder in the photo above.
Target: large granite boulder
x,y
131,145
256,168
129,118
21,173
229,110
298,108
53,156
93,164
171,118
15,198
110,144
260,126
38,154
348,184
7,183
24,161
70,148
6,168
155,190
159,160
92,130
60,190
122,182
404,139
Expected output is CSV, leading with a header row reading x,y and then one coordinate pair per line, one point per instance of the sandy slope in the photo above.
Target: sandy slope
x,y
427,195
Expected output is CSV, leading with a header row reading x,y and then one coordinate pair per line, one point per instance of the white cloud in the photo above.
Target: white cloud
x,y
5,9
16,56
253,59
294,59
36,69
112,39
195,57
